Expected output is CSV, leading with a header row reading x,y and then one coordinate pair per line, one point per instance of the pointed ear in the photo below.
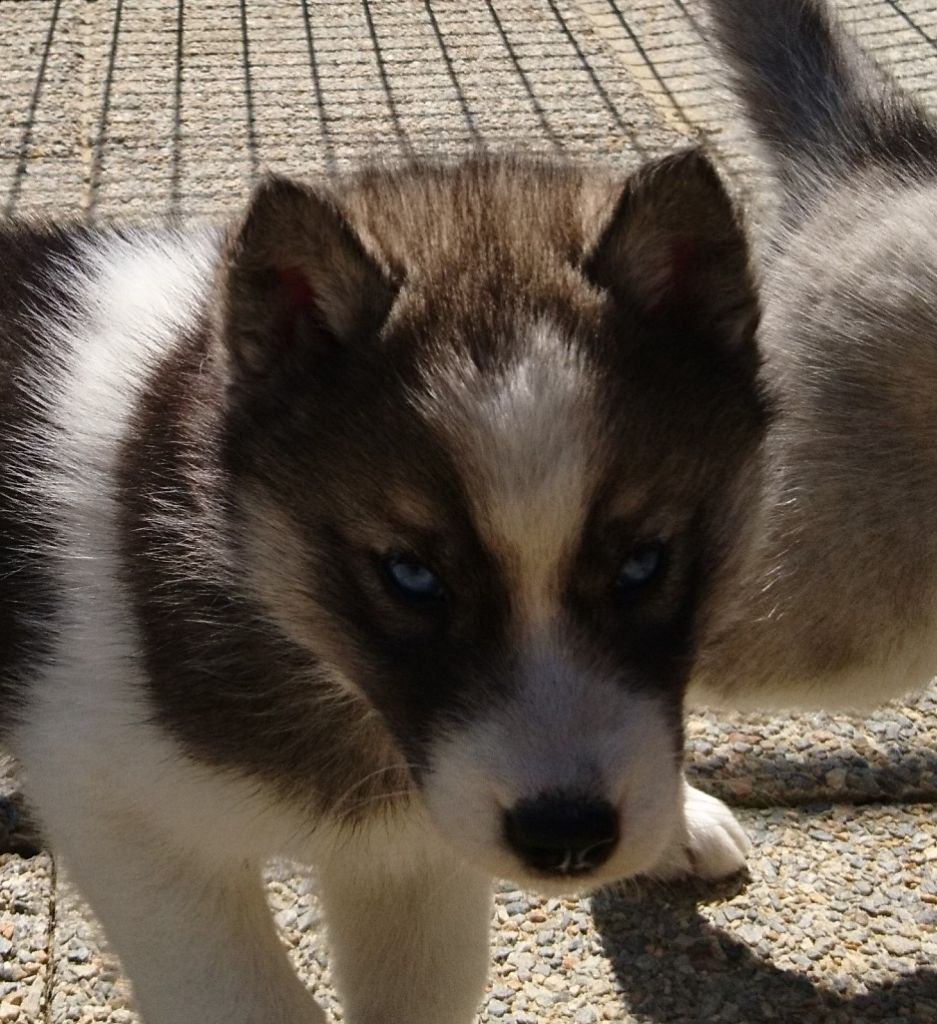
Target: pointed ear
x,y
675,247
297,277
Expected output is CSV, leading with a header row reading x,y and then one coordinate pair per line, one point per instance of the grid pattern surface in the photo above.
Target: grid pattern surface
x,y
175,105
160,107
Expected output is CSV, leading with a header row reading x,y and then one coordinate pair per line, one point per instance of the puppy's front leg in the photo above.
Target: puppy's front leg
x,y
709,843
409,945
195,935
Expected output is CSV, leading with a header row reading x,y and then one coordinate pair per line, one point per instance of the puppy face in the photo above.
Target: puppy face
x,y
488,478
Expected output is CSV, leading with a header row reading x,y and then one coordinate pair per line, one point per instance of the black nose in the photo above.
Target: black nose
x,y
562,835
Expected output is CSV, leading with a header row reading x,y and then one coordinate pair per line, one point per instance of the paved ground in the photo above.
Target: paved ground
x,y
154,108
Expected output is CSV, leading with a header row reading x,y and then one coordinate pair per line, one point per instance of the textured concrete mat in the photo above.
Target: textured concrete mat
x,y
165,107
763,760
836,923
26,932
148,109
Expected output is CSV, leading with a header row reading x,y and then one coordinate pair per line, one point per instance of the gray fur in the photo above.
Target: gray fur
x,y
838,605
824,109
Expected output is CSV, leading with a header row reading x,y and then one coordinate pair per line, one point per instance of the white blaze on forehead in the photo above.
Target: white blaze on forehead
x,y
532,437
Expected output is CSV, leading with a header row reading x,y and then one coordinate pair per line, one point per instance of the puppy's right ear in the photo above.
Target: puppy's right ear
x,y
675,248
298,280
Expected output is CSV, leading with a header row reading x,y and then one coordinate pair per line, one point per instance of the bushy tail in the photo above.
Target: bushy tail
x,y
821,105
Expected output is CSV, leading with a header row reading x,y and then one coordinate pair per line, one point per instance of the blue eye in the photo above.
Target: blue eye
x,y
411,579
643,565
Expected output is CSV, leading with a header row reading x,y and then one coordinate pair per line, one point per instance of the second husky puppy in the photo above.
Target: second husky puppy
x,y
839,605
376,532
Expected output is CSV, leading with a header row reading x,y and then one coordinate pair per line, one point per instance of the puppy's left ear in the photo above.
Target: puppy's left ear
x,y
298,283
676,249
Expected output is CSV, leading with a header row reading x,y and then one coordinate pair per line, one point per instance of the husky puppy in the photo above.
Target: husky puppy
x,y
376,532
837,604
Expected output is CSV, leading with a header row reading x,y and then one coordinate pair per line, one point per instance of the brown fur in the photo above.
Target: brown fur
x,y
316,437
531,388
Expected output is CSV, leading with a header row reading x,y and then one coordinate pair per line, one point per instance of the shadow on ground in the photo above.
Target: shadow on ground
x,y
670,957
783,777
18,834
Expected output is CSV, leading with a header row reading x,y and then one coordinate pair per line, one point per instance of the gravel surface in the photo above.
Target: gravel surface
x,y
836,922
159,108
760,760
26,929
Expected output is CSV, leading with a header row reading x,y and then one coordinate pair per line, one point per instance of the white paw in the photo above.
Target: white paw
x,y
711,845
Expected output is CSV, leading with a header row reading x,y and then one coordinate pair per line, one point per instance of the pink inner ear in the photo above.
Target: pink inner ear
x,y
297,288
671,278
685,255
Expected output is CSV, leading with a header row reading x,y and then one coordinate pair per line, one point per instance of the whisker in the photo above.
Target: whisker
x,y
374,798
338,805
